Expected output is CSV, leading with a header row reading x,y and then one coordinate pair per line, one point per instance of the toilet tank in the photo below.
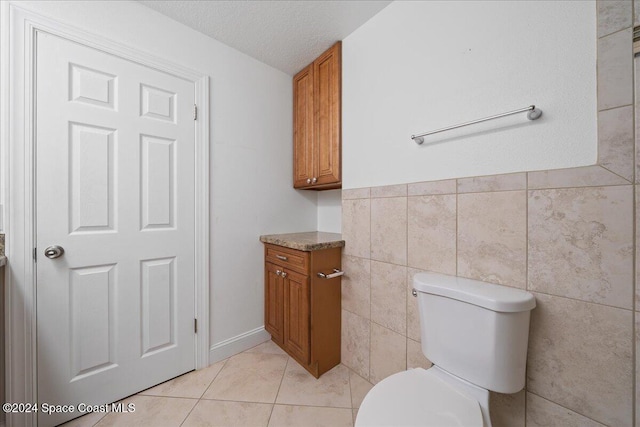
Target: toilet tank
x,y
475,330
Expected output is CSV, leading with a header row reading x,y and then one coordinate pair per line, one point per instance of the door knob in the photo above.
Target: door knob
x,y
284,274
54,251
308,180
314,180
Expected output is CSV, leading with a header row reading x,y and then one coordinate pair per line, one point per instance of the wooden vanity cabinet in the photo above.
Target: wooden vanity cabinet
x,y
302,310
317,129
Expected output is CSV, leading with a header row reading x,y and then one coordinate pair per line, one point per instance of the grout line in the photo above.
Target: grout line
x,y
571,187
189,413
216,376
634,316
350,393
238,401
404,277
370,285
96,423
580,300
613,108
620,30
457,228
311,406
526,285
616,173
526,234
568,409
284,372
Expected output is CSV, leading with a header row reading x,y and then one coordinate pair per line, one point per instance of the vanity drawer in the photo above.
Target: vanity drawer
x,y
287,258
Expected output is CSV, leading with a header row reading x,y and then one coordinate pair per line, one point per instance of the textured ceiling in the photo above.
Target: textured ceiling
x,y
287,35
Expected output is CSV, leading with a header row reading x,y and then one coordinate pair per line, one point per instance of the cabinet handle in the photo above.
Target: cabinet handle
x,y
308,180
283,258
336,273
314,180
278,272
283,274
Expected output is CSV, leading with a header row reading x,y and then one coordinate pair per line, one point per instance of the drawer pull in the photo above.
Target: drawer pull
x,y
336,273
282,257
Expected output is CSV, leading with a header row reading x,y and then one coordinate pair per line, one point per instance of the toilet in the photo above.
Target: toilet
x,y
475,334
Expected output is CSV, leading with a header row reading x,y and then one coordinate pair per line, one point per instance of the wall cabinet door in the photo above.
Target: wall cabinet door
x,y
317,127
327,116
303,128
273,302
296,315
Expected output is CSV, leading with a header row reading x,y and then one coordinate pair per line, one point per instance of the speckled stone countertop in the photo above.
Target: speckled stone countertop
x,y
311,241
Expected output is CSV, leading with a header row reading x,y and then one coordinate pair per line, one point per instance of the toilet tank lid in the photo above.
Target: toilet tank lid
x,y
483,294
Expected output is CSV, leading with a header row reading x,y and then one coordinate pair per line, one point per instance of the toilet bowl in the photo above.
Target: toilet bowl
x,y
424,397
476,335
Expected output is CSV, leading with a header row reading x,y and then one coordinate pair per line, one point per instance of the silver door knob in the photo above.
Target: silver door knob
x,y
314,180
284,274
54,251
278,272
308,180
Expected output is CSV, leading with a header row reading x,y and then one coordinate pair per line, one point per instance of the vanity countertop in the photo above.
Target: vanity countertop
x,y
310,241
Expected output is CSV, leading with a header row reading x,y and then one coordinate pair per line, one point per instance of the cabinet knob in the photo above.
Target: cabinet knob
x,y
314,180
283,274
308,180
278,272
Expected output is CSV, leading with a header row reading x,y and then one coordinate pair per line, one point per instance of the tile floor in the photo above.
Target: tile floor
x,y
261,387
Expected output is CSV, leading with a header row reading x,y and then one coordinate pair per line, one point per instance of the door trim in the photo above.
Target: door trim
x,y
17,147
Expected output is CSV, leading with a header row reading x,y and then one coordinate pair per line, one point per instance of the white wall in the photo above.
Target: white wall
x,y
251,149
330,211
418,66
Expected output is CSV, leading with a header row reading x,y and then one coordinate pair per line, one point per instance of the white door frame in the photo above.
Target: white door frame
x,y
17,149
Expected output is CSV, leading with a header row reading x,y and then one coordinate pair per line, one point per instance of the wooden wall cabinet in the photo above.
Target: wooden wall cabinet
x,y
302,311
317,129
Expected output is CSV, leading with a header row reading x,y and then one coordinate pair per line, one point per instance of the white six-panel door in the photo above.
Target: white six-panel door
x,y
115,189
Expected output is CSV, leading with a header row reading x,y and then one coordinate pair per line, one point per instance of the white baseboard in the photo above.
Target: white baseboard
x,y
238,344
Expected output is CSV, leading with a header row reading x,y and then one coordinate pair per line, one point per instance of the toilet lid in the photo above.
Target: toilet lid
x,y
417,398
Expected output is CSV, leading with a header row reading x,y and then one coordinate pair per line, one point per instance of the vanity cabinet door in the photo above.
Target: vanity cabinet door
x,y
296,316
273,302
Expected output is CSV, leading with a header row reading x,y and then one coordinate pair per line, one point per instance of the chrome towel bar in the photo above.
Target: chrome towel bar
x,y
533,114
336,273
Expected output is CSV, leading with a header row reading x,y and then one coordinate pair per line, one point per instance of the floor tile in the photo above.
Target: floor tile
x,y
216,413
268,347
191,385
151,411
309,416
359,389
249,377
88,420
301,388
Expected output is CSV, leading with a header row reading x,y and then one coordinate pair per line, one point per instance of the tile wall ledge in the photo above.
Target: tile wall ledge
x,y
576,177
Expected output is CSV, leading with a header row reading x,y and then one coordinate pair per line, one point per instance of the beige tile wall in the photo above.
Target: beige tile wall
x,y
565,235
